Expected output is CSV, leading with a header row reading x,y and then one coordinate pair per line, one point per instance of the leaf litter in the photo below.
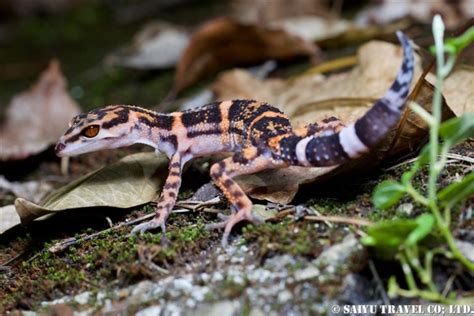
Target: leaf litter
x,y
36,118
134,180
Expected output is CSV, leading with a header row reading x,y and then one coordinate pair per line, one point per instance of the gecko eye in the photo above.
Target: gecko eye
x,y
90,131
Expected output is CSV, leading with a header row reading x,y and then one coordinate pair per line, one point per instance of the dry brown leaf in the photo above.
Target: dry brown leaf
x,y
313,28
36,118
454,12
459,90
223,42
158,45
267,11
378,64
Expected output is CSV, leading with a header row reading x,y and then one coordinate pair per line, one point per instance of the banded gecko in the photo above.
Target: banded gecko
x,y
259,135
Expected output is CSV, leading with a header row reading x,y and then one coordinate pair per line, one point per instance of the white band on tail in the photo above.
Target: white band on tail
x,y
301,151
351,143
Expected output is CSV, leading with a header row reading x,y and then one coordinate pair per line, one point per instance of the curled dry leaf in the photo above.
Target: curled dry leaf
x,y
36,118
311,98
158,45
223,42
133,181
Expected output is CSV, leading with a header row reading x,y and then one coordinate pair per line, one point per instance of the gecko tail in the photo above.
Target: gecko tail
x,y
358,138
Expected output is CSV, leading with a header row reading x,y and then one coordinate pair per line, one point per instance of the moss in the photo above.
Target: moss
x,y
295,238
109,258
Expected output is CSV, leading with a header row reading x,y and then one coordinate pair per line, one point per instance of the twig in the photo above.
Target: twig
x,y
339,219
452,156
380,286
60,246
328,223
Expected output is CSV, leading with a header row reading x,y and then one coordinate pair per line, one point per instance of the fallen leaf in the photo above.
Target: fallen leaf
x,y
313,28
132,181
36,118
280,185
454,12
8,218
31,190
223,42
378,63
458,90
267,11
157,46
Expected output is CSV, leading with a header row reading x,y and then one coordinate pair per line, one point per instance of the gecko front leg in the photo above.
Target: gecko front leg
x,y
167,198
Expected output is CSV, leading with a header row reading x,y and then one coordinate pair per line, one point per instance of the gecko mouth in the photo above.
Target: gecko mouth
x,y
59,148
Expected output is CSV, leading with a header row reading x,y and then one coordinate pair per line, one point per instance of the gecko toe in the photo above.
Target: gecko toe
x,y
142,228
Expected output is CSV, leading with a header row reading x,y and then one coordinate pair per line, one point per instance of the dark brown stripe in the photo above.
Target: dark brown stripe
x,y
262,108
228,183
204,132
72,139
238,194
207,114
239,158
239,205
171,185
288,148
375,124
237,107
171,139
328,149
122,117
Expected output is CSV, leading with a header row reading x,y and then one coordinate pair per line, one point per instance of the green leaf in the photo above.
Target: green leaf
x,y
387,194
457,129
457,191
425,224
386,237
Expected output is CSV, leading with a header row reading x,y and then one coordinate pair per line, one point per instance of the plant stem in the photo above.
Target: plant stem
x,y
436,167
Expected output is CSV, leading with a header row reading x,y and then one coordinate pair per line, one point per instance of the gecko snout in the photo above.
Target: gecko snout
x,y
59,147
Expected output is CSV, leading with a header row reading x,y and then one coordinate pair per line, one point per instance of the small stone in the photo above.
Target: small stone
x,y
224,308
150,311
82,298
183,285
284,296
306,273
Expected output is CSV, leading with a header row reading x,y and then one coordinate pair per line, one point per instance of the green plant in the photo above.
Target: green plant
x,y
404,239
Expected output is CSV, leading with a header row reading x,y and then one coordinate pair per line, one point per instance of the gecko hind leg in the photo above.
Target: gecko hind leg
x,y
249,160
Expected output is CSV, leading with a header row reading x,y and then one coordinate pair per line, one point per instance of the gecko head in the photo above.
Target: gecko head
x,y
105,128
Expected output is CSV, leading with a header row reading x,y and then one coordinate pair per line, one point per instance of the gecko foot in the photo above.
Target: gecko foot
x,y
229,222
150,225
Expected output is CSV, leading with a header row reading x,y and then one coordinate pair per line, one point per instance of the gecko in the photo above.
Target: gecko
x,y
256,134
